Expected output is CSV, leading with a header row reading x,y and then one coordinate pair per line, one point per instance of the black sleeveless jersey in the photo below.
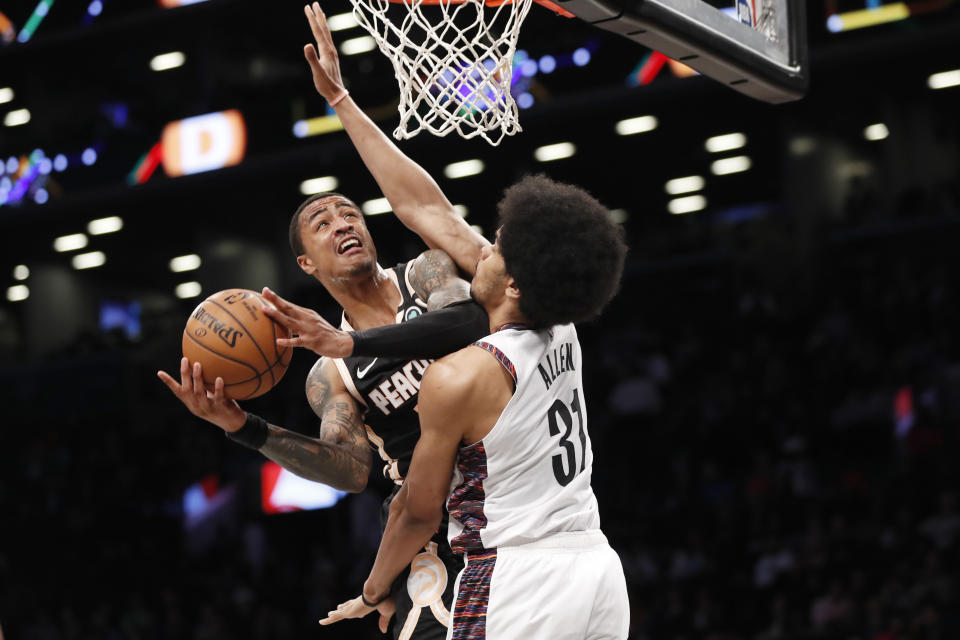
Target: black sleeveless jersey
x,y
389,387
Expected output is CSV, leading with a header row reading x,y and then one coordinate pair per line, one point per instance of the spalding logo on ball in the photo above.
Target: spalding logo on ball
x,y
232,338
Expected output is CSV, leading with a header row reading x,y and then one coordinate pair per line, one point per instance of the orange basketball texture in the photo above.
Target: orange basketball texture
x,y
232,338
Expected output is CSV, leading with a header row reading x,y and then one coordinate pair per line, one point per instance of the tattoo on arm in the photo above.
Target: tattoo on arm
x,y
340,457
435,279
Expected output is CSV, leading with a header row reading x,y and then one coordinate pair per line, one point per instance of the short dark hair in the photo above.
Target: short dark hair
x,y
562,248
296,242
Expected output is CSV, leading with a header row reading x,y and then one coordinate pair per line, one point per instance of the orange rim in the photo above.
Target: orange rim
x,y
557,9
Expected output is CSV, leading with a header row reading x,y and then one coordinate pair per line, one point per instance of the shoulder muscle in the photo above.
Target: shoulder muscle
x,y
467,389
435,279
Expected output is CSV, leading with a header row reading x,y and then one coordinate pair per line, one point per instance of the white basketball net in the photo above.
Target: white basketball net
x,y
453,62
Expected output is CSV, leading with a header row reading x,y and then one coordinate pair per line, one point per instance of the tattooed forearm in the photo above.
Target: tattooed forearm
x,y
340,457
434,278
336,465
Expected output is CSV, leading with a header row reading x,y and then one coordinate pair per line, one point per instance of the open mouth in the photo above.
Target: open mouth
x,y
349,244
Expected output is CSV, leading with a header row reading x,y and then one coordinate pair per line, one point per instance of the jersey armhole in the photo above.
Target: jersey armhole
x,y
501,358
410,290
348,382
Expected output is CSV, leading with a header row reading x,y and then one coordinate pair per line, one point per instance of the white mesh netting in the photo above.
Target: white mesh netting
x,y
453,62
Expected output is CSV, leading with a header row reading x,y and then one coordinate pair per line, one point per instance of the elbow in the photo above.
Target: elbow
x,y
417,515
421,520
359,481
353,482
357,486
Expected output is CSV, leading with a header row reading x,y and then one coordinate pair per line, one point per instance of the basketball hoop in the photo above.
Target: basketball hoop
x,y
453,60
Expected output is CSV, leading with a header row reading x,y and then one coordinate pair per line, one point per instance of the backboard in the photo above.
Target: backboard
x,y
758,48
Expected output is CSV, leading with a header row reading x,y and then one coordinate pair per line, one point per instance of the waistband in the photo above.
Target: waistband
x,y
559,540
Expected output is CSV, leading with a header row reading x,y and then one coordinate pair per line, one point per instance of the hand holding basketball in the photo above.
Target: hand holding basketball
x,y
323,59
307,328
212,406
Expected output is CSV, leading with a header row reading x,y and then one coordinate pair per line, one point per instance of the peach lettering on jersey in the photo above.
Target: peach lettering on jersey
x,y
402,385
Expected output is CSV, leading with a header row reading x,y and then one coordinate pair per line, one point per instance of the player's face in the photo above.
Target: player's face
x,y
335,239
490,279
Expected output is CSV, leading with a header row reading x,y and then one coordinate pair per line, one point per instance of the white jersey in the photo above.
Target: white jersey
x,y
529,477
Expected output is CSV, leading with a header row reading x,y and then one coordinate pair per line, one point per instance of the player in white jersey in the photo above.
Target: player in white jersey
x,y
504,440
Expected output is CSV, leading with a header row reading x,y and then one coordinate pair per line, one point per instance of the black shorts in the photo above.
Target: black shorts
x,y
424,591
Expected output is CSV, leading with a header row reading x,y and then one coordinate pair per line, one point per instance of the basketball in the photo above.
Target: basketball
x,y
232,338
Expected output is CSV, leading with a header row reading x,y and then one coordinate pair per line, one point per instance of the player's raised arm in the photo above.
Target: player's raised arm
x,y
413,194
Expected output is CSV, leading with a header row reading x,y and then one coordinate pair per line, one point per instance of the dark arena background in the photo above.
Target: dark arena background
x,y
774,396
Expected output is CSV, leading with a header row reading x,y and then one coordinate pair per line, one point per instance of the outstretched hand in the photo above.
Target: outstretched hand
x,y
307,328
323,59
356,609
213,406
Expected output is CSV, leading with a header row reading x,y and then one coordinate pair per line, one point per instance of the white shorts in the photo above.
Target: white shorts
x,y
569,586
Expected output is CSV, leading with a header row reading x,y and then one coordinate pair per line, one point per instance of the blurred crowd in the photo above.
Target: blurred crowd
x,y
775,435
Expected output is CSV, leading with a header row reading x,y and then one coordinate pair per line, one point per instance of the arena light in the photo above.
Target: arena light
x,y
170,4
71,242
88,260
463,169
39,13
185,263
342,21
318,185
359,45
684,185
726,142
687,204
166,61
101,226
18,292
640,124
869,17
376,206
317,126
619,216
553,152
21,272
944,79
6,95
802,145
735,164
17,117
187,290
876,131
461,210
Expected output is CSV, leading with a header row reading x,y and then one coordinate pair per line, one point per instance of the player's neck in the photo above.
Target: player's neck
x,y
505,313
370,301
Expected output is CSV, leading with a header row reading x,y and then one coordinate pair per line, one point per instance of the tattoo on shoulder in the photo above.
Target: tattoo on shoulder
x,y
435,278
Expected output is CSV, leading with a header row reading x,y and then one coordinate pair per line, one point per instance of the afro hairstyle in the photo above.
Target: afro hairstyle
x,y
562,248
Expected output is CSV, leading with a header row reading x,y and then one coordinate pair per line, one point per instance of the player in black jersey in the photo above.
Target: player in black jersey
x,y
363,401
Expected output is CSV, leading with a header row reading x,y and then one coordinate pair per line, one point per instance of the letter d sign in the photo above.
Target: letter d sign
x,y
203,143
